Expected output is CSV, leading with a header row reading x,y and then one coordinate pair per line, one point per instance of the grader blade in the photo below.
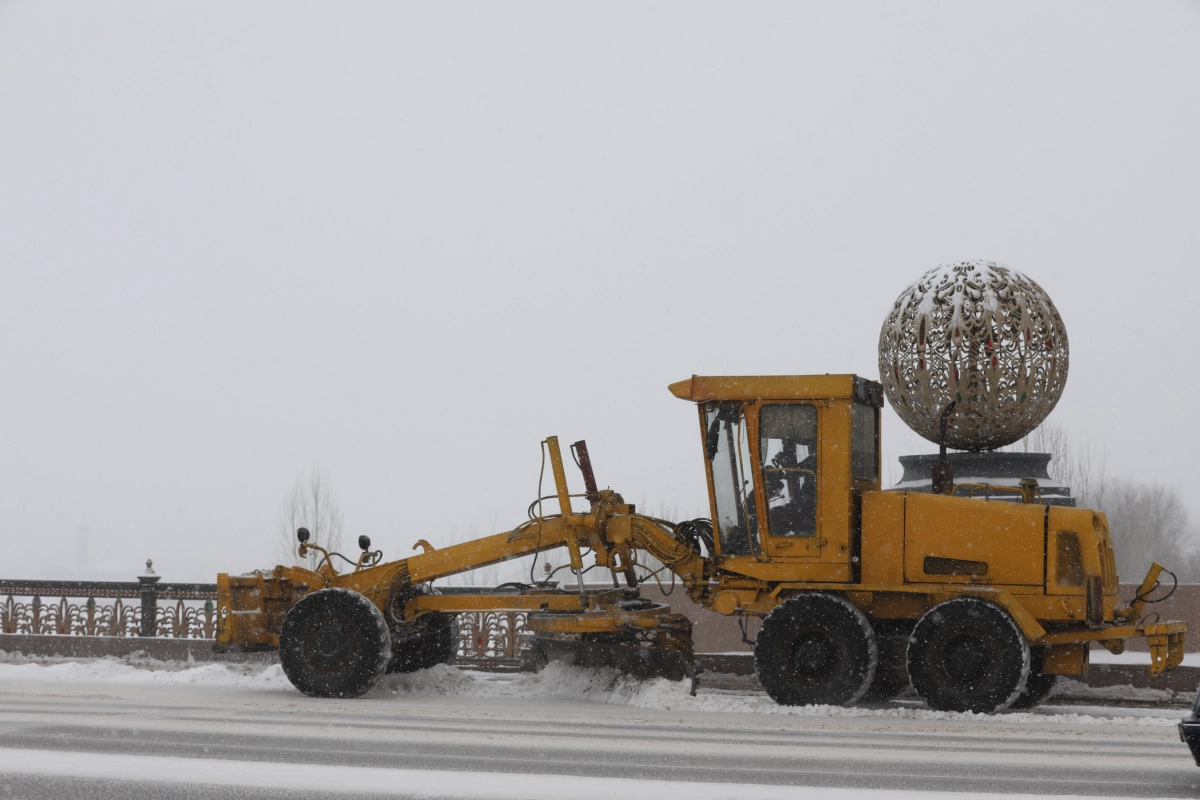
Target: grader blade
x,y
640,638
640,662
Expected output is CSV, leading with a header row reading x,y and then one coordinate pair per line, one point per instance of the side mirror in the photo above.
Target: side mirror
x,y
302,534
364,542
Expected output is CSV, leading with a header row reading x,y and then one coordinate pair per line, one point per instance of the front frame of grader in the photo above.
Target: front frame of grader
x,y
252,608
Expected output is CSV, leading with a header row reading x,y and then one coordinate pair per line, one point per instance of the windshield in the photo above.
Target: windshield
x,y
727,445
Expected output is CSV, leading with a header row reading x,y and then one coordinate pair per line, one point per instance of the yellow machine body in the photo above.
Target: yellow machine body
x,y
828,527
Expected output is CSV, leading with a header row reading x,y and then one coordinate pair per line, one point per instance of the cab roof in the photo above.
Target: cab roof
x,y
700,388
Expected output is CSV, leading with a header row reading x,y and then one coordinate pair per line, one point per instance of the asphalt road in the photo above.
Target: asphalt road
x,y
67,740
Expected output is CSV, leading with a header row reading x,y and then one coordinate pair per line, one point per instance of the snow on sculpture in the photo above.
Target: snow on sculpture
x,y
981,335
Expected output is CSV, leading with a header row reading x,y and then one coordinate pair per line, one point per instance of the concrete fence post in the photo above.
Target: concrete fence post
x,y
149,600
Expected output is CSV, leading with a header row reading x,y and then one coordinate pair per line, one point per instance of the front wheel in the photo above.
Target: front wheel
x,y
967,654
334,643
815,649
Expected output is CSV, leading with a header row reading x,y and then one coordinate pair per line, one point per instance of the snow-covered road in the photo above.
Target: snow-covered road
x,y
116,729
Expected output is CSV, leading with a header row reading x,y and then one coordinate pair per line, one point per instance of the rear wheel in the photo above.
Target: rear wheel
x,y
967,654
815,649
1039,685
433,640
443,641
891,674
334,643
423,641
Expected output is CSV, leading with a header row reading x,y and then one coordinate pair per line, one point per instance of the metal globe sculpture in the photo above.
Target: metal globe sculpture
x,y
983,336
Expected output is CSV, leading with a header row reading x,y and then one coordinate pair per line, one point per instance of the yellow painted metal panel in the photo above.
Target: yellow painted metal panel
x,y
1065,659
782,570
489,550
1008,537
883,537
836,496
700,388
1056,608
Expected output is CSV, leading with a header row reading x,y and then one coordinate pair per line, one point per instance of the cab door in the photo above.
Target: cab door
x,y
764,456
788,444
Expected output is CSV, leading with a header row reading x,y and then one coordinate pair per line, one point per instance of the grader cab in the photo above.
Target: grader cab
x,y
978,602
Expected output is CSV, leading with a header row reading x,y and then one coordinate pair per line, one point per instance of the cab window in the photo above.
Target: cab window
x,y
788,446
727,445
864,442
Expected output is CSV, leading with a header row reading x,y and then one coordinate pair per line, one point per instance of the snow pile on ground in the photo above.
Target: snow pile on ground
x,y
562,682
139,668
441,679
1078,690
559,681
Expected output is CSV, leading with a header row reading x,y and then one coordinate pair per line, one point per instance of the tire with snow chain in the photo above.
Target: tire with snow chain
x,y
967,654
891,673
435,641
443,641
1038,685
334,643
815,649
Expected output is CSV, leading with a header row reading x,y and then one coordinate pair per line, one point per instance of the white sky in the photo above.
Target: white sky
x,y
407,242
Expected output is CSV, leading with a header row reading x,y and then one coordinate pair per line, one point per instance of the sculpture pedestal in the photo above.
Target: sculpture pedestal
x,y
989,467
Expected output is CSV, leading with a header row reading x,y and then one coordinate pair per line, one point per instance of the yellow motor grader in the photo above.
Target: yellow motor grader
x,y
980,596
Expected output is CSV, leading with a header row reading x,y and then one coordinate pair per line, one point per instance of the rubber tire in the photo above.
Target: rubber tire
x,y
334,643
439,645
443,642
967,654
1039,685
835,632
891,674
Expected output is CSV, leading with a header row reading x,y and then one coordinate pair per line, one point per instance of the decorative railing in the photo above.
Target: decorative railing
x,y
109,608
490,640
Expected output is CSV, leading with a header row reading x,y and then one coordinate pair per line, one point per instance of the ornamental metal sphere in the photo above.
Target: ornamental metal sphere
x,y
979,334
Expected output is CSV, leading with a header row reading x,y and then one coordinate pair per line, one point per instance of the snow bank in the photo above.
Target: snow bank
x,y
1077,690
557,682
138,668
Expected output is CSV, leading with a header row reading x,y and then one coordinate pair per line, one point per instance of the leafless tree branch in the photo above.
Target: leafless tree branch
x,y
310,504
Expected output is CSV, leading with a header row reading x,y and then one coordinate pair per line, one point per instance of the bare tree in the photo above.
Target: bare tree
x,y
310,504
1150,523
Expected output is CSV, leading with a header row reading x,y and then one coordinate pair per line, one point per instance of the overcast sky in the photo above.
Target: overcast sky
x,y
407,242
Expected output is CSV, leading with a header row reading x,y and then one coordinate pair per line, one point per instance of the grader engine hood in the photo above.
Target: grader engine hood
x,y
953,540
